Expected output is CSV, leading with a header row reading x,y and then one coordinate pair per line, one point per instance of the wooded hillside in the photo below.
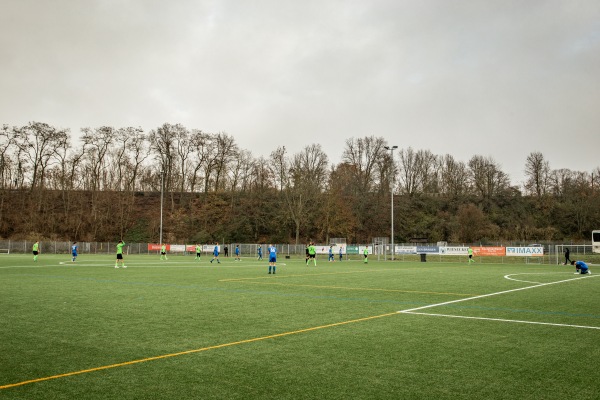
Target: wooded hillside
x,y
110,187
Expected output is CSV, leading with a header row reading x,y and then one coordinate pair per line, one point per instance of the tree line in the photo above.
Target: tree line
x,y
110,186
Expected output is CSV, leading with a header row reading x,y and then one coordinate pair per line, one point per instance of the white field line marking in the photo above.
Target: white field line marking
x,y
492,294
530,273
503,320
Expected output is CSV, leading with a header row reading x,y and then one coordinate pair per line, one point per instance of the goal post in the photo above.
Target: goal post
x,y
5,247
575,251
381,247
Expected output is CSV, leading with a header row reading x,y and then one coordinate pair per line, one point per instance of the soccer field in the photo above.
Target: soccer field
x,y
181,329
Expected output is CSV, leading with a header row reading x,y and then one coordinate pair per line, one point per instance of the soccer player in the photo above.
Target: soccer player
x,y
331,257
366,254
237,253
312,253
216,254
340,253
272,258
35,249
198,252
567,259
163,252
581,267
120,259
470,251
307,255
259,251
74,251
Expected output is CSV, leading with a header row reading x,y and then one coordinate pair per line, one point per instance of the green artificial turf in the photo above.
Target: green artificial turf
x,y
181,329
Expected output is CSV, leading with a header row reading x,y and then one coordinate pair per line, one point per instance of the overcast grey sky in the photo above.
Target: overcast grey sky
x,y
497,78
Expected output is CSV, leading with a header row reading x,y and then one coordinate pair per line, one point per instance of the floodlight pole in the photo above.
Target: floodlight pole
x,y
162,177
391,149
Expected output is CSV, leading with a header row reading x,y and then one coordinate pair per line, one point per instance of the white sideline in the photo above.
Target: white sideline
x,y
493,294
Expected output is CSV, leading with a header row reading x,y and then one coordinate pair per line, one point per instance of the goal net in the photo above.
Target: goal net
x,y
381,247
575,251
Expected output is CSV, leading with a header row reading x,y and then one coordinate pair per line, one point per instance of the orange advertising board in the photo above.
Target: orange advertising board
x,y
489,251
156,247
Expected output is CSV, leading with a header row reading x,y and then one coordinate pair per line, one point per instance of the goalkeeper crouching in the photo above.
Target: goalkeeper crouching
x,y
581,267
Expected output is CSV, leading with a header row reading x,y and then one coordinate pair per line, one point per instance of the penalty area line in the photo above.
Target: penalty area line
x,y
181,353
492,294
503,320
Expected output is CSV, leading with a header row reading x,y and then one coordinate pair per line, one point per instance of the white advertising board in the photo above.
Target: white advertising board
x,y
525,251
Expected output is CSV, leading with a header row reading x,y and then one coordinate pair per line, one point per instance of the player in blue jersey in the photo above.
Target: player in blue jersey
x,y
74,251
216,254
340,253
272,258
331,257
259,251
581,267
237,253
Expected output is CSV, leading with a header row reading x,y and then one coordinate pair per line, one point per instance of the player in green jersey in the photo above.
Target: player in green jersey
x,y
36,249
312,253
120,255
198,252
163,252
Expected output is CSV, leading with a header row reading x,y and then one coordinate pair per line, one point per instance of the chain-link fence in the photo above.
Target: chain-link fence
x,y
553,253
59,247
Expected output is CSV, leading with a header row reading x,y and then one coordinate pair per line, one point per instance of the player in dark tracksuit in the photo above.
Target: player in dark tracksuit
x,y
307,256
567,259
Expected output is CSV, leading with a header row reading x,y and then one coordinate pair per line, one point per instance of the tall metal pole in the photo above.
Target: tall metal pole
x,y
162,176
391,149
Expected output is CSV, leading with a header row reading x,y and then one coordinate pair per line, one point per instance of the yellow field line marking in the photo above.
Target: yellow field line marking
x,y
302,275
181,353
366,289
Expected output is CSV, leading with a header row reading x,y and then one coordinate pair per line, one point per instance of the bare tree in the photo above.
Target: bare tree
x,y
202,144
454,176
301,180
163,145
365,155
183,148
486,176
537,172
241,170
129,152
429,168
411,171
6,161
226,151
99,143
261,176
138,152
37,142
